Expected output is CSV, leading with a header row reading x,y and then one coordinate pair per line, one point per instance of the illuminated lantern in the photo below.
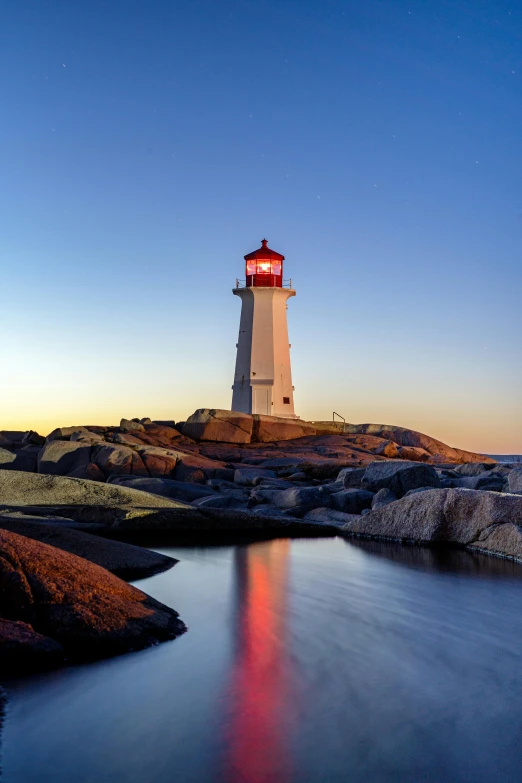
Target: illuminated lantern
x,y
263,377
264,267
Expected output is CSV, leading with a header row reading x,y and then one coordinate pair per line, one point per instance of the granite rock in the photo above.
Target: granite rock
x,y
399,477
59,457
17,460
383,498
219,425
90,612
441,452
515,480
117,460
488,521
268,429
351,501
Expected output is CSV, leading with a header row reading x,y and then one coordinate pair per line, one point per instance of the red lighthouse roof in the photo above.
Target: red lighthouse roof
x,y
264,252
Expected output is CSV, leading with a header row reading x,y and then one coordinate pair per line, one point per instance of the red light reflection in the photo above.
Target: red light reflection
x,y
258,741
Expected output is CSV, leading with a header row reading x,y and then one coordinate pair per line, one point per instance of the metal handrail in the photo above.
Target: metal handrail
x,y
242,283
339,417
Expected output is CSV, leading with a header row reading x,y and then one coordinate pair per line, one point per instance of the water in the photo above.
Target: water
x,y
308,660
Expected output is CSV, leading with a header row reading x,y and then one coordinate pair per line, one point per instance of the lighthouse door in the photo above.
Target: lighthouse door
x,y
261,401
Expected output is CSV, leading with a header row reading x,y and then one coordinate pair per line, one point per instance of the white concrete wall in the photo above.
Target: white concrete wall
x,y
263,374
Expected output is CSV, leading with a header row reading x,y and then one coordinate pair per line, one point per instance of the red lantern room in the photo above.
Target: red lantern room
x,y
264,267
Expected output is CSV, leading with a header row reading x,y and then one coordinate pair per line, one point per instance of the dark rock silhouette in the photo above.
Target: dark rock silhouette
x,y
22,649
125,560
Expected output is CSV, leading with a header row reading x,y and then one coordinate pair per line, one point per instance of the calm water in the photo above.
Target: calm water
x,y
313,660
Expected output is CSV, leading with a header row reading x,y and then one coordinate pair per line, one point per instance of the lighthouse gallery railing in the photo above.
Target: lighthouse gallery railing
x,y
243,283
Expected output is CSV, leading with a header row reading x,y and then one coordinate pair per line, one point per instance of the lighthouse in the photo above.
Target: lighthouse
x,y
263,377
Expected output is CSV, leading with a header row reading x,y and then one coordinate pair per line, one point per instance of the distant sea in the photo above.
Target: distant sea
x,y
506,457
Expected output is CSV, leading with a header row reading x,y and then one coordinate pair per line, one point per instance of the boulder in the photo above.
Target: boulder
x,y
249,477
351,477
90,501
388,449
168,488
299,476
322,468
261,495
328,516
242,494
413,453
485,481
59,457
86,436
439,451
162,435
17,460
272,428
351,501
335,486
308,497
91,472
128,425
32,438
116,460
515,480
92,615
159,462
197,469
64,433
499,470
23,650
12,436
219,425
488,521
125,560
125,439
383,498
399,477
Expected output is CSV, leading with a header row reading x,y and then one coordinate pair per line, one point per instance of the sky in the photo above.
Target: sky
x,y
146,147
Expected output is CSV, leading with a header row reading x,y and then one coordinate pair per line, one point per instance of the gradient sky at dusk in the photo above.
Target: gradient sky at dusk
x,y
146,147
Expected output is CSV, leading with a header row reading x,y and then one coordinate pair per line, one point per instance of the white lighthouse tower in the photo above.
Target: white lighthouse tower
x,y
263,377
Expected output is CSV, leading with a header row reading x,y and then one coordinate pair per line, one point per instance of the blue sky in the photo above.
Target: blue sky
x,y
145,148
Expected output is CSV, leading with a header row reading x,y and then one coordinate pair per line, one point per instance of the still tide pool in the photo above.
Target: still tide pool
x,y
305,660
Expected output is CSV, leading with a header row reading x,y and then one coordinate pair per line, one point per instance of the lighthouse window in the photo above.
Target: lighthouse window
x,y
276,268
286,400
264,268
251,268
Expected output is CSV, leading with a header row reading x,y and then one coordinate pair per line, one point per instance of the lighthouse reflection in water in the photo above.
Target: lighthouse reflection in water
x,y
259,721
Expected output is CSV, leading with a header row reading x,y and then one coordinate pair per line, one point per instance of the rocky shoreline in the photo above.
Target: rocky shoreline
x,y
66,499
